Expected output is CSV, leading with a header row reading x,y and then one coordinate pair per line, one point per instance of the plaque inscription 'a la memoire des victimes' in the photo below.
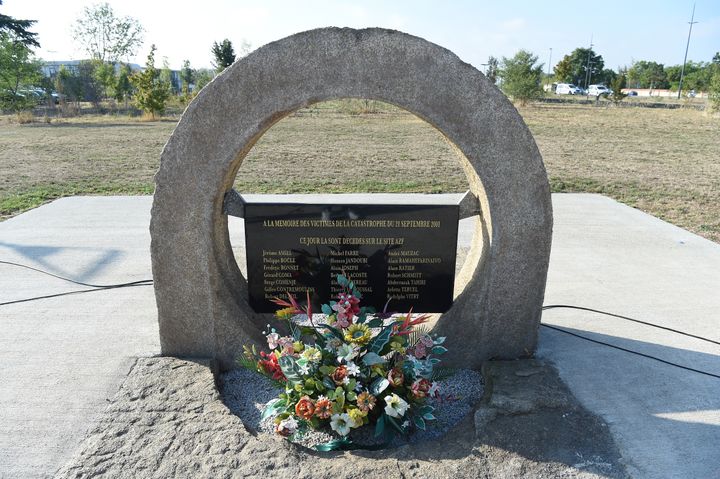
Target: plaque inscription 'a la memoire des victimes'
x,y
405,253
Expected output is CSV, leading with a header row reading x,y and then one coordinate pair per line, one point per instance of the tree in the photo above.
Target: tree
x,y
573,68
521,77
187,76
202,78
492,69
643,74
105,76
617,85
123,87
18,69
714,90
716,58
19,30
151,91
224,55
106,37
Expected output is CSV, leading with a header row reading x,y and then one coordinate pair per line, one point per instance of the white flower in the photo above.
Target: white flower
x,y
304,369
433,389
358,386
346,380
345,353
340,423
332,344
290,425
272,340
352,369
395,406
406,424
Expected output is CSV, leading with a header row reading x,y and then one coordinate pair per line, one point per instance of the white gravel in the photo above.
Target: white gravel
x,y
246,393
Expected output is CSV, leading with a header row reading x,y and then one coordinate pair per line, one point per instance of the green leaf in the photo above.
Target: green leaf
x,y
342,280
375,323
272,408
340,397
351,396
419,422
378,386
425,410
335,332
379,342
438,350
395,424
380,426
429,417
327,382
373,358
326,370
290,369
326,309
439,340
336,445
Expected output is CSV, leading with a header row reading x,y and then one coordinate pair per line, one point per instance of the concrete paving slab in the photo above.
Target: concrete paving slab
x,y
63,357
611,257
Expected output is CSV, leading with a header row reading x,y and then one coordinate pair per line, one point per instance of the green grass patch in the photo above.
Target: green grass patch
x,y
15,203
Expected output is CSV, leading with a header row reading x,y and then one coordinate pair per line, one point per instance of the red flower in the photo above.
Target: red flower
x,y
271,366
420,388
396,377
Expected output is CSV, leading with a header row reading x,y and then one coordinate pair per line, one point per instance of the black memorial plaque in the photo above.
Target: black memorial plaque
x,y
403,252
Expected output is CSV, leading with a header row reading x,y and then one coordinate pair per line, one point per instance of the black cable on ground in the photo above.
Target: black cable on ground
x,y
68,293
631,351
149,282
10,263
554,306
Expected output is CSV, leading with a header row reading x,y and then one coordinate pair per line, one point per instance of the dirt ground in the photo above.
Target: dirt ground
x,y
664,162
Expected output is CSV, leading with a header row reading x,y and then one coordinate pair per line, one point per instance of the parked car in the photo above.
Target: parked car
x,y
567,89
597,90
632,93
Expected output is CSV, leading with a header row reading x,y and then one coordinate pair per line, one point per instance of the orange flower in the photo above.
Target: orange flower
x,y
323,407
305,408
339,375
365,401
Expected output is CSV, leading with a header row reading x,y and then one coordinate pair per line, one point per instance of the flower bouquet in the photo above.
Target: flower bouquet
x,y
355,369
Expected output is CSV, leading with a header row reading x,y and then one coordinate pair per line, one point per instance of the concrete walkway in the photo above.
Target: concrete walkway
x,y
63,357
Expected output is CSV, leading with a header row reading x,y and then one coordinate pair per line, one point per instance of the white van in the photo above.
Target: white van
x,y
567,89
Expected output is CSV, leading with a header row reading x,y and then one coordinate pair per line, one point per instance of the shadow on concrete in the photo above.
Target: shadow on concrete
x,y
667,417
39,257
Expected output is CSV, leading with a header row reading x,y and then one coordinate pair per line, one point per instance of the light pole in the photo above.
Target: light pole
x,y
587,68
549,63
687,46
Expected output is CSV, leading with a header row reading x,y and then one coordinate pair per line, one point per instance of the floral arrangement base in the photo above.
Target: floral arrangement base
x,y
247,394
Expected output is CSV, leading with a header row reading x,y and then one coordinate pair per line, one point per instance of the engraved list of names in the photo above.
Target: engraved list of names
x,y
403,252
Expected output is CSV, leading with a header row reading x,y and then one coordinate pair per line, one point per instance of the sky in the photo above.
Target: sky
x,y
621,31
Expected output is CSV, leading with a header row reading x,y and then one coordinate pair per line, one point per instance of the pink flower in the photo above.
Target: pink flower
x,y
420,350
343,315
350,302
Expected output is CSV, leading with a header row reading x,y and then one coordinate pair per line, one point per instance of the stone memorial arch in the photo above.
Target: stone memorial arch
x,y
201,294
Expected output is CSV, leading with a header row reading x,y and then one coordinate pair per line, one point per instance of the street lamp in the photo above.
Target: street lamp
x,y
682,71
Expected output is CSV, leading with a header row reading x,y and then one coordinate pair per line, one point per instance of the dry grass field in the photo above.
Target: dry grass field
x,y
665,162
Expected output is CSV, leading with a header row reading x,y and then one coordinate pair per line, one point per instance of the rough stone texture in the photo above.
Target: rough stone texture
x,y
168,420
201,295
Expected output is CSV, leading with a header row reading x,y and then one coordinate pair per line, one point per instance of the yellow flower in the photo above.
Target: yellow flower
x,y
298,346
285,313
356,416
357,333
397,347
